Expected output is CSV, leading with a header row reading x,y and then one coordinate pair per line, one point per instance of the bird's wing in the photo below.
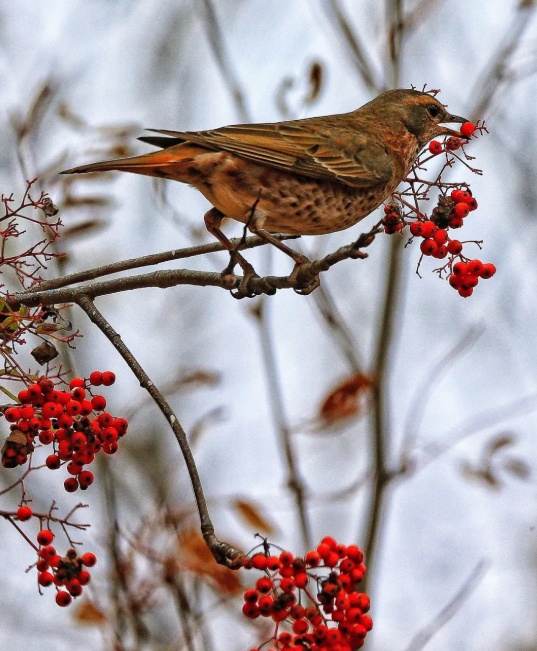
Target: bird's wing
x,y
325,151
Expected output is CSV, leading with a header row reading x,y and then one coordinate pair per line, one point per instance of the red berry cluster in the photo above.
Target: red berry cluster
x,y
329,616
73,421
65,572
453,142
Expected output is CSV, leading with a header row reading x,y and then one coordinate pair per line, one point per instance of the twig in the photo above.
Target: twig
x,y
222,552
421,639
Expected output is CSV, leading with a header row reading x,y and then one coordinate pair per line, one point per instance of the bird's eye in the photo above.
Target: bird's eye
x,y
433,110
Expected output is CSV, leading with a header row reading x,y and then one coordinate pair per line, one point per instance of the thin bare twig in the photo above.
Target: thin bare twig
x,y
222,552
422,638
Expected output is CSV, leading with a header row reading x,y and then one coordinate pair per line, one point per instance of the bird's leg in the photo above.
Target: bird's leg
x,y
213,221
304,286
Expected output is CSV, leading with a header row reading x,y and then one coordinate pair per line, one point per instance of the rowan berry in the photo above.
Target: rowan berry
x,y
263,585
88,559
85,479
466,291
63,598
312,558
454,247
12,414
467,129
48,552
453,143
46,437
70,485
74,588
429,247
300,626
24,513
460,268
488,270
84,577
475,267
108,378
250,610
27,411
78,394
45,537
98,403
461,209
45,578
436,147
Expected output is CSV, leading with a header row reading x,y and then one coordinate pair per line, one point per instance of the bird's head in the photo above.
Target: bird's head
x,y
420,113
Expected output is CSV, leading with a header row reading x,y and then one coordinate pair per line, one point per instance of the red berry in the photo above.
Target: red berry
x,y
27,411
273,562
23,396
461,209
454,247
435,147
441,236
72,408
453,143
12,414
65,420
441,252
76,382
470,280
263,585
24,513
53,461
51,410
74,587
46,437
428,228
84,577
45,578
250,610
456,281
108,378
96,378
460,268
488,270
429,247
121,426
300,626
78,394
312,558
70,485
79,440
466,291
63,598
98,403
475,267
47,553
63,397
467,129
45,537
416,228
85,479
88,559
354,553
455,222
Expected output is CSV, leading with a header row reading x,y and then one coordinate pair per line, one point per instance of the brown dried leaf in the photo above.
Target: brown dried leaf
x,y
315,78
88,614
345,400
84,228
195,556
517,467
252,515
499,442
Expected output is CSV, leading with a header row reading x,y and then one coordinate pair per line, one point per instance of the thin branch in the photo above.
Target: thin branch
x,y
222,552
358,51
423,637
216,41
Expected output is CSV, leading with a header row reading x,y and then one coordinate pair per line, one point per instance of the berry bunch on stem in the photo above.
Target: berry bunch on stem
x,y
74,422
453,204
314,601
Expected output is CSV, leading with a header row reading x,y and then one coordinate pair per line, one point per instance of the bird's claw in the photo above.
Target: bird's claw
x,y
303,279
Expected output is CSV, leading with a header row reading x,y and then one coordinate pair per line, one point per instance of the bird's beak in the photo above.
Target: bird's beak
x,y
451,132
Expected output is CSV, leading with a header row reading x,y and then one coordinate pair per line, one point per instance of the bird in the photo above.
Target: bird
x,y
307,176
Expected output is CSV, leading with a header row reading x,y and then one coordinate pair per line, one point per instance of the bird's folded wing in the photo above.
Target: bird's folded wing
x,y
303,147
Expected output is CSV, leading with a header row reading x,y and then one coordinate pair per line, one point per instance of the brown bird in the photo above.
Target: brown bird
x,y
300,177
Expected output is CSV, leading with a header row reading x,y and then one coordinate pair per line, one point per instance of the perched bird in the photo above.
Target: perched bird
x,y
303,177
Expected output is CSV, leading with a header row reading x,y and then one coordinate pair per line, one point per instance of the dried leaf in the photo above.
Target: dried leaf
x,y
499,442
315,78
195,556
251,514
44,353
345,400
88,614
84,228
517,467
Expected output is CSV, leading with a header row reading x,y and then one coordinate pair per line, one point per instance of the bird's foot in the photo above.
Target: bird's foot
x,y
303,278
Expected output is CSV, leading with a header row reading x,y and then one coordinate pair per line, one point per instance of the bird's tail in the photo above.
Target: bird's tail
x,y
158,163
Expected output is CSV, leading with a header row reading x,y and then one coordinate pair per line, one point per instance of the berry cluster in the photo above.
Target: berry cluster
x,y
331,616
73,421
65,572
452,143
464,273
